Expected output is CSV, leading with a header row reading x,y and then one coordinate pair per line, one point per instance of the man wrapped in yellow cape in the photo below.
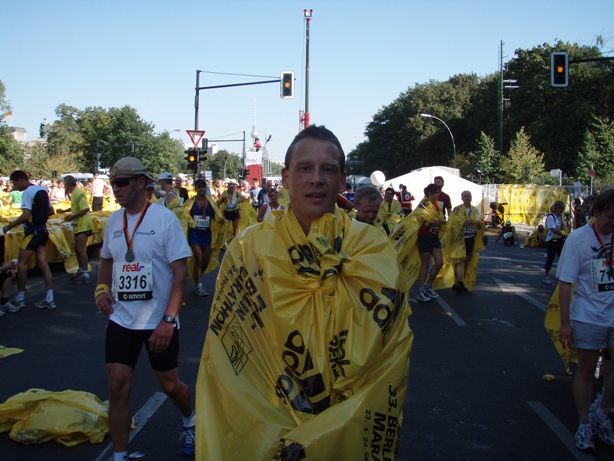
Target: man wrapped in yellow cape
x,y
389,215
307,352
454,246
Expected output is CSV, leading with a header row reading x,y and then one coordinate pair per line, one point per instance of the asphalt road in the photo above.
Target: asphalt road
x,y
475,391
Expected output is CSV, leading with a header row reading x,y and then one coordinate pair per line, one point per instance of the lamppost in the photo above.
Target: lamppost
x,y
453,144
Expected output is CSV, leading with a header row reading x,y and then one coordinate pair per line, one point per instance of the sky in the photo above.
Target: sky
x,y
362,56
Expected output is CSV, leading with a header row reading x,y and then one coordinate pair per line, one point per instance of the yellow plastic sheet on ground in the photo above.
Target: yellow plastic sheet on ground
x,y
552,322
68,417
8,351
307,353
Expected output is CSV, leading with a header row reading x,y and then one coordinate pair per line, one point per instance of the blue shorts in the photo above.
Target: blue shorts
x,y
199,237
592,337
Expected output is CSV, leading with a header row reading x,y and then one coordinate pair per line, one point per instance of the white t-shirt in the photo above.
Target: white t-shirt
x,y
584,261
158,241
98,188
553,222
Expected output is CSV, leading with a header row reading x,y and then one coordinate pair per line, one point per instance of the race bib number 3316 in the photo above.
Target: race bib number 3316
x,y
132,281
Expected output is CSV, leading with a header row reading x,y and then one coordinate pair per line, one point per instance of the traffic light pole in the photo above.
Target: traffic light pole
x,y
198,88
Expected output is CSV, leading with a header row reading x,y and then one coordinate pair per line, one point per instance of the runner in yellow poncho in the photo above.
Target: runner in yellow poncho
x,y
416,239
307,352
390,212
465,230
206,226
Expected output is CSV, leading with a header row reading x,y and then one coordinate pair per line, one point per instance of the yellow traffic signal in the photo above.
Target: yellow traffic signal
x,y
287,85
559,69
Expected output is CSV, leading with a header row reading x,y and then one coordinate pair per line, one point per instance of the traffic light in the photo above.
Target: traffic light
x,y
202,155
287,85
559,69
192,158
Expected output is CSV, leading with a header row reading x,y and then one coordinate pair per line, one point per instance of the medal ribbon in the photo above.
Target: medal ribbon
x,y
611,270
129,240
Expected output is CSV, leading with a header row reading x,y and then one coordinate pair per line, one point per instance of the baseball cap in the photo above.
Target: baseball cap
x,y
130,166
165,175
200,181
508,222
151,184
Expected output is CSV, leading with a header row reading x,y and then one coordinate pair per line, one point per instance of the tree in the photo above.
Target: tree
x,y
523,158
224,162
5,106
11,156
485,158
597,151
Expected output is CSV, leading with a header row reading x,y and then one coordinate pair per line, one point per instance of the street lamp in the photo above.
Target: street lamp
x,y
453,144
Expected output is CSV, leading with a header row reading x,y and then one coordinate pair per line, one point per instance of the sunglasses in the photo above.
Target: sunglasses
x,y
121,182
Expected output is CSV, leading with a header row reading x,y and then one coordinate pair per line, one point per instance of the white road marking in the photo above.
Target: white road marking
x,y
140,419
457,319
560,431
520,291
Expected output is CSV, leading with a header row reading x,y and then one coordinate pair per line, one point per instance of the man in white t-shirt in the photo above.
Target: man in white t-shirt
x,y
141,286
587,321
97,193
35,209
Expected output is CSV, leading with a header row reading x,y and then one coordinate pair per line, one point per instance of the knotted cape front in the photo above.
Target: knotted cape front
x,y
307,350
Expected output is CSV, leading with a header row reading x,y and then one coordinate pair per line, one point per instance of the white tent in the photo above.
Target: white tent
x,y
454,185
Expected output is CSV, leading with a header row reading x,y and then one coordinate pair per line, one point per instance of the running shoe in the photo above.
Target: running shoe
x,y
584,437
9,307
602,423
422,296
187,436
200,291
18,305
431,293
44,304
82,277
547,280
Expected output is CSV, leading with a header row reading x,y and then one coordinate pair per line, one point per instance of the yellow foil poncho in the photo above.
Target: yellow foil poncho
x,y
307,352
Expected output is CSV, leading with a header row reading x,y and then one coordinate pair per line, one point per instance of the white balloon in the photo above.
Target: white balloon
x,y
377,178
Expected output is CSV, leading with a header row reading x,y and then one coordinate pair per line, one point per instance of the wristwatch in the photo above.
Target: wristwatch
x,y
169,319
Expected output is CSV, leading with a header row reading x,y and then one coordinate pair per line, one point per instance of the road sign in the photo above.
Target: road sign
x,y
555,173
591,173
195,135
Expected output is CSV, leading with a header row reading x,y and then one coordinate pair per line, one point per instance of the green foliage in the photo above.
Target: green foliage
x,y
597,150
77,136
11,156
485,159
5,106
558,121
522,155
224,162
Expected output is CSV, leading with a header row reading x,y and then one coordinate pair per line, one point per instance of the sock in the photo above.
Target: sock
x,y
190,420
428,285
49,296
198,285
20,296
4,300
121,456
